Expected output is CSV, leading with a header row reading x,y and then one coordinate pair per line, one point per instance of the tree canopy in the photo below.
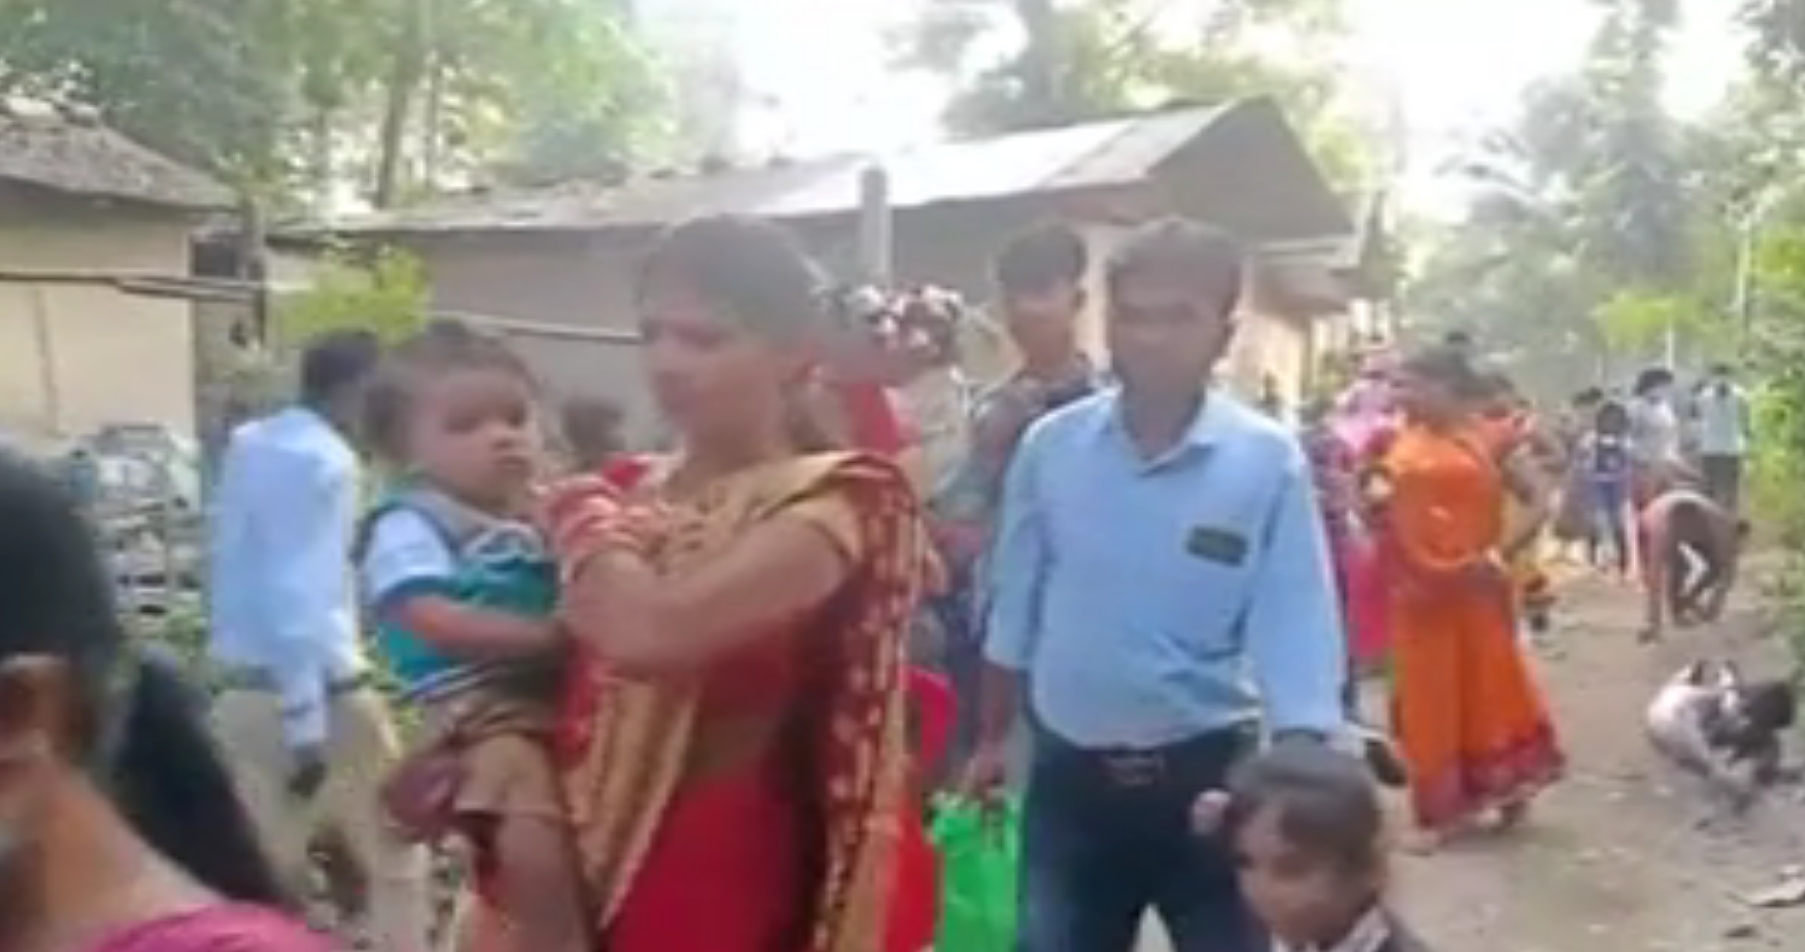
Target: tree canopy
x,y
286,96
1025,64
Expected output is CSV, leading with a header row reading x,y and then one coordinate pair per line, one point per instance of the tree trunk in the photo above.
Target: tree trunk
x,y
321,160
405,76
432,120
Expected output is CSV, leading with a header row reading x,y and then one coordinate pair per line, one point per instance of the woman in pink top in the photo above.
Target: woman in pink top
x,y
119,831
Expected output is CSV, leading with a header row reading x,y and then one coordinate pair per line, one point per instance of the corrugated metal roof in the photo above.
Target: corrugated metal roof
x,y
1089,155
81,157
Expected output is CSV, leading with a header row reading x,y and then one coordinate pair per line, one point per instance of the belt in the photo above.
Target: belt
x,y
1133,767
246,678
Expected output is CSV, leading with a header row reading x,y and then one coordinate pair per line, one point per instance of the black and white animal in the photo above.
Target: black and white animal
x,y
1711,722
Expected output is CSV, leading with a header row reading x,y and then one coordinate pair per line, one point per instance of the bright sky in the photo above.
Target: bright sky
x,y
1452,67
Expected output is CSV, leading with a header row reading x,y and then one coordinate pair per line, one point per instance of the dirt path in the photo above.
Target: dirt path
x,y
1613,858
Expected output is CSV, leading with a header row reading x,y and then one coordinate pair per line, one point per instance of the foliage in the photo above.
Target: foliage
x,y
286,96
1589,239
1779,357
385,293
1080,61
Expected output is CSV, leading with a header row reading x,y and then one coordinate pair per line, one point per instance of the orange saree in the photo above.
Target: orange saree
x,y
1466,711
789,845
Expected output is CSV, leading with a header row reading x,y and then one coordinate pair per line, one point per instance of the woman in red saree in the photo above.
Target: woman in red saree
x,y
1472,725
734,742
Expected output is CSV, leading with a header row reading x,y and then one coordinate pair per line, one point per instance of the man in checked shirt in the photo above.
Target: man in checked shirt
x,y
1039,278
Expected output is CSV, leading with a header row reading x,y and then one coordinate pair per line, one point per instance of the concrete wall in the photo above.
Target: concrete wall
x,y
73,357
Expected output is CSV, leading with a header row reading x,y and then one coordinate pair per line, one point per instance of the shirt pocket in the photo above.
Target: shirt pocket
x,y
1210,573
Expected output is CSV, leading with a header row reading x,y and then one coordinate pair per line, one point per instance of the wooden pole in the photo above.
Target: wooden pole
x,y
875,240
47,369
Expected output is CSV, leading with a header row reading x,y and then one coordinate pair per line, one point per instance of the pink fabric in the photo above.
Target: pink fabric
x,y
1363,600
221,928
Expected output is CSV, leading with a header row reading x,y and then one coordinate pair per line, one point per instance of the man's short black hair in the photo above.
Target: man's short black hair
x,y
1185,252
336,360
1651,379
1041,259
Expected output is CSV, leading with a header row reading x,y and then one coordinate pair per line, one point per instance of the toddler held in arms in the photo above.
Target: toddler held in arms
x,y
1307,832
463,592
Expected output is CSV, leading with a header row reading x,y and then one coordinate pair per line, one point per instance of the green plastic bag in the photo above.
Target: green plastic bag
x,y
979,853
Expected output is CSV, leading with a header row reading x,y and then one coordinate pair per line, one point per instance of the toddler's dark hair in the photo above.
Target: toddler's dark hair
x,y
441,347
1325,801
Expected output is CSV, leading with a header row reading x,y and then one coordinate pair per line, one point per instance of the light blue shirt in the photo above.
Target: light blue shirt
x,y
1723,421
1150,601
454,552
284,517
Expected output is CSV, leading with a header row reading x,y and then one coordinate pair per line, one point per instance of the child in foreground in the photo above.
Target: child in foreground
x,y
1307,831
463,591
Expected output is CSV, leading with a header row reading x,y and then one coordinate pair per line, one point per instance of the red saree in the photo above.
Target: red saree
x,y
796,848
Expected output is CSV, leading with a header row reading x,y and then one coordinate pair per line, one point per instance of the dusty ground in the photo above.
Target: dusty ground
x,y
1614,858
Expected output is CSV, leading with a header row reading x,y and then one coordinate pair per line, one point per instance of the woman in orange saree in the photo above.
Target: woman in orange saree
x,y
733,743
1471,723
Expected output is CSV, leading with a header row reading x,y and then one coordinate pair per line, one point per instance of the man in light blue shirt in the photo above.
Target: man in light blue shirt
x,y
1161,582
308,737
1722,410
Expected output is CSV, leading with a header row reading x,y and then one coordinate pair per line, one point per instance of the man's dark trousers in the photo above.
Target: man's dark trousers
x,y
1106,835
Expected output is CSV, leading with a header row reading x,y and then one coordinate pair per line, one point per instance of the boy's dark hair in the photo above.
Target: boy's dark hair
x,y
1047,257
442,346
335,361
1185,252
143,732
1325,802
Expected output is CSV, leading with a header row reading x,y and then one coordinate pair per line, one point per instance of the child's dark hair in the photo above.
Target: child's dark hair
x,y
1041,259
1325,801
442,346
1612,419
142,731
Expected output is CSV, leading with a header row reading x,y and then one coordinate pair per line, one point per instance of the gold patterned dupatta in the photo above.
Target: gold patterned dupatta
x,y
624,742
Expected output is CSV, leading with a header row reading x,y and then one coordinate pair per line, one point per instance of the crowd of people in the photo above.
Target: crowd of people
x,y
690,702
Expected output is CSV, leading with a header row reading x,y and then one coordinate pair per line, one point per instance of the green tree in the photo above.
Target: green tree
x,y
282,96
1078,61
1589,241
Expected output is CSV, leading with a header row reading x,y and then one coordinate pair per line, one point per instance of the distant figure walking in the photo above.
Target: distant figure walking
x,y
1723,428
1472,724
303,726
